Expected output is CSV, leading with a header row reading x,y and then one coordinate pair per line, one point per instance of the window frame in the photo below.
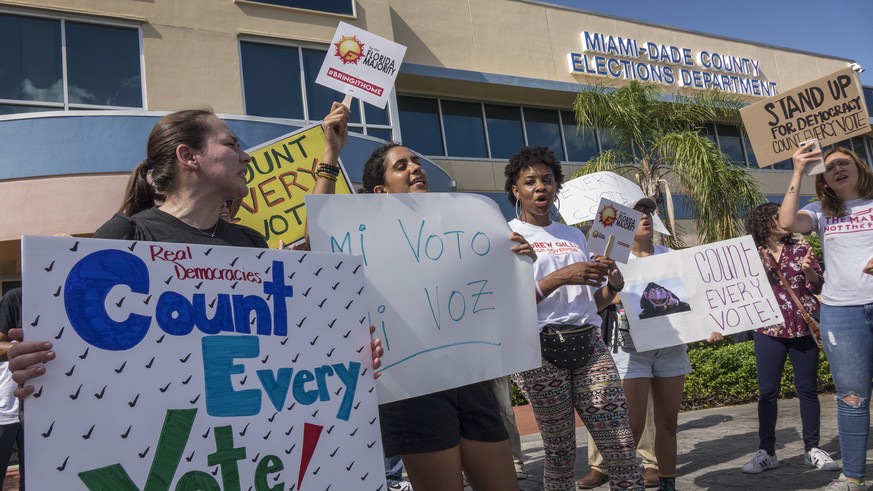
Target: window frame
x,y
260,3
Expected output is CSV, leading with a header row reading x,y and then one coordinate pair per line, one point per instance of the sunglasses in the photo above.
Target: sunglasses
x,y
841,163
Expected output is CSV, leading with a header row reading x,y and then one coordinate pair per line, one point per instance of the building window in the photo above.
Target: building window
x,y
57,64
279,82
581,141
420,125
342,7
505,130
730,142
465,129
544,130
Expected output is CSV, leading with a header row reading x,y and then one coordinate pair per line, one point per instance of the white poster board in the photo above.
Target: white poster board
x,y
683,296
618,221
362,64
195,367
580,197
450,301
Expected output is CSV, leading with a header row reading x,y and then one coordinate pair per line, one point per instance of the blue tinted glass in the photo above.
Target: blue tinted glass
x,y
14,109
504,130
750,154
730,142
318,97
465,133
376,115
343,7
581,141
420,125
103,65
868,96
859,148
30,59
543,130
608,141
271,80
380,133
708,132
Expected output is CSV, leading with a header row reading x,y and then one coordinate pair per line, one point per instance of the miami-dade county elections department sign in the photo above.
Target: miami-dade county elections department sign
x,y
281,172
362,64
831,109
451,302
683,296
194,367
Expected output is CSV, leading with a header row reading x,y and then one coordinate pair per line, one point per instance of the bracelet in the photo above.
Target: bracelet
x,y
331,169
539,290
613,289
325,175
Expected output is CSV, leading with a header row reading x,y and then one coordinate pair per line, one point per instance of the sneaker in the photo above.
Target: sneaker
x,y
843,484
400,486
820,459
760,462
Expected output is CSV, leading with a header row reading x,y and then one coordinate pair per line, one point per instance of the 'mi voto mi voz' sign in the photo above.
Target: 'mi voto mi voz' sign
x,y
605,55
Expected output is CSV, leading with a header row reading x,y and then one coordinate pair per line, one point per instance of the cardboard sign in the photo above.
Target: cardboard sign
x,y
362,64
683,296
831,109
619,221
281,172
451,302
580,197
193,367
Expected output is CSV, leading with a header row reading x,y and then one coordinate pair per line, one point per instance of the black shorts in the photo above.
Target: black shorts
x,y
438,421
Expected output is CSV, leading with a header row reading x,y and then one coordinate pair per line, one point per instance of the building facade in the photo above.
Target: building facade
x,y
82,82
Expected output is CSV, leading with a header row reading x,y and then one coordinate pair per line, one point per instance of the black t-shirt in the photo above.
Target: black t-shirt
x,y
155,225
10,310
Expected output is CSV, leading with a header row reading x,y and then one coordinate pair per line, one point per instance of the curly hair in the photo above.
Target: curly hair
x,y
760,221
528,157
830,203
374,168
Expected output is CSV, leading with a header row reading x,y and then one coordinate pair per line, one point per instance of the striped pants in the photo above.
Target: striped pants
x,y
596,393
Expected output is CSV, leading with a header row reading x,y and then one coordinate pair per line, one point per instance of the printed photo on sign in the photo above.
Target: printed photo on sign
x,y
195,367
657,299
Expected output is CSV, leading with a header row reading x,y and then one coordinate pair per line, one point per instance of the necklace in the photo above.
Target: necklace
x,y
214,229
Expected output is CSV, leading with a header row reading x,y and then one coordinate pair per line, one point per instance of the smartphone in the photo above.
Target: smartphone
x,y
817,167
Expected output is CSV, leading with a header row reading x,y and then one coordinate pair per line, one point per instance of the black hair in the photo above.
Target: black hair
x,y
760,221
374,167
528,157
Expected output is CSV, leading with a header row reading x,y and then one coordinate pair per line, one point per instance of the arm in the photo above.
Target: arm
x,y
609,293
812,270
789,218
589,273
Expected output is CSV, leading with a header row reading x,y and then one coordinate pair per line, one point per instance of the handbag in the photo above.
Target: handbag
x,y
810,321
567,345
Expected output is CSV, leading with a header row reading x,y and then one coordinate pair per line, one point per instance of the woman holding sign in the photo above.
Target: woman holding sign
x,y
842,219
570,290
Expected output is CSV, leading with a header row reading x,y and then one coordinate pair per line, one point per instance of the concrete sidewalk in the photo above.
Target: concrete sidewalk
x,y
714,443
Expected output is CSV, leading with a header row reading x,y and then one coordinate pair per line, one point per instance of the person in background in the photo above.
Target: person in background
x,y
11,424
394,474
841,218
502,388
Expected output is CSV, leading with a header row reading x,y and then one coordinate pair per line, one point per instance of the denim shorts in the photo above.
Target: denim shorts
x,y
663,362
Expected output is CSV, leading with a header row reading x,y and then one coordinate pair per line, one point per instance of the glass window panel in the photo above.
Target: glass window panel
x,y
581,141
420,125
343,7
318,97
543,129
750,153
505,132
380,133
376,115
15,109
465,132
30,59
103,65
861,149
608,141
784,165
868,97
271,80
709,132
730,142
357,129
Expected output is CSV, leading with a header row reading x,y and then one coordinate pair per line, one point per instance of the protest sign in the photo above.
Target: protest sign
x,y
193,367
618,221
830,109
683,296
281,172
450,301
362,64
580,197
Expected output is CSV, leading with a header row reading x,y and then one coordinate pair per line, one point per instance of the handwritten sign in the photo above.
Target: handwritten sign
x,y
450,301
193,367
580,197
281,172
685,295
831,109
615,220
362,64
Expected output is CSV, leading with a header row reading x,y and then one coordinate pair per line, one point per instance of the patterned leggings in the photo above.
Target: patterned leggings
x,y
596,393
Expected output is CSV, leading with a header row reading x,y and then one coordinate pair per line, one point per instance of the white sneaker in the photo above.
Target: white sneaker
x,y
760,462
401,486
820,459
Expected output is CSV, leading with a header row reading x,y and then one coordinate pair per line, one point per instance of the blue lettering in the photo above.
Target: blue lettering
x,y
174,314
280,291
218,355
276,386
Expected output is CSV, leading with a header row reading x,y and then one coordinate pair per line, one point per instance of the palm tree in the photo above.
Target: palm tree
x,y
657,135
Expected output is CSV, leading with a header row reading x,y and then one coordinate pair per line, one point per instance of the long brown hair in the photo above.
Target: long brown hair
x,y
830,203
155,177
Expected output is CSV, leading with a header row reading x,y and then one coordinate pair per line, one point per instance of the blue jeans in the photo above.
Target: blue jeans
x,y
393,470
847,335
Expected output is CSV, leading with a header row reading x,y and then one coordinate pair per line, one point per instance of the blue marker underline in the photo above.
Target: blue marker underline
x,y
438,348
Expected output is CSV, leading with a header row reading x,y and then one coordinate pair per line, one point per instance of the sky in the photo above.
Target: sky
x,y
840,28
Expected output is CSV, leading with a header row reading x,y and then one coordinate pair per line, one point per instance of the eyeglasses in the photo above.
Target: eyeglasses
x,y
647,211
841,163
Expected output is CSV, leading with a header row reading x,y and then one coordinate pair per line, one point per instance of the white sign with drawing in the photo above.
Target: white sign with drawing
x,y
616,221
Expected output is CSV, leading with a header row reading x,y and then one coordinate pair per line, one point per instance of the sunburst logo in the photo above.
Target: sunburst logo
x,y
608,215
349,49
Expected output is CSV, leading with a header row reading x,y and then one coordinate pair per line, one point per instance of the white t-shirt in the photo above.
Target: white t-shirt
x,y
848,246
8,402
559,245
